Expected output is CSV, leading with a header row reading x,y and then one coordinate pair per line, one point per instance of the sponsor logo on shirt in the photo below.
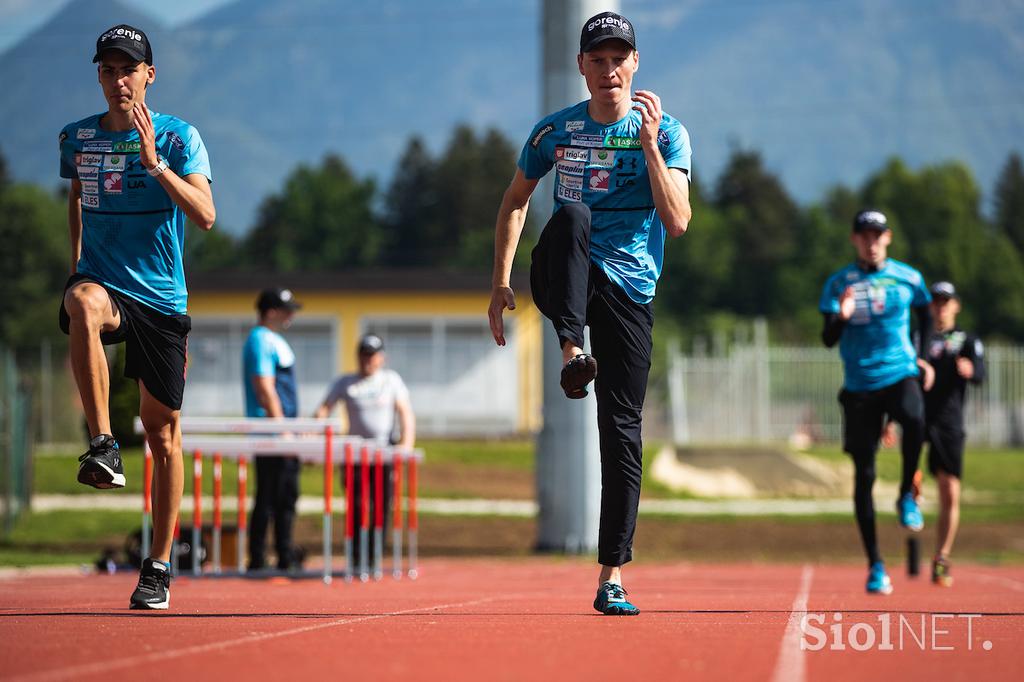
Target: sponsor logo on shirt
x,y
662,138
618,142
97,146
136,184
572,167
84,159
570,181
586,140
86,133
112,183
113,162
88,172
599,180
176,141
602,157
535,142
127,147
91,200
566,194
90,187
573,126
570,154
60,138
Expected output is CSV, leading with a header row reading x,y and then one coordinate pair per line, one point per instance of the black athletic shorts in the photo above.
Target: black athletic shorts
x,y
864,413
945,450
156,345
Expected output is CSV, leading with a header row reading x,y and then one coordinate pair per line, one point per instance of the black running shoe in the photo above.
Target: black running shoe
x,y
101,467
154,588
576,374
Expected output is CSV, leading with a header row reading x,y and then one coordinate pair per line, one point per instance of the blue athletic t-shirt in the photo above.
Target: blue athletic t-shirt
x,y
603,166
267,354
132,233
875,345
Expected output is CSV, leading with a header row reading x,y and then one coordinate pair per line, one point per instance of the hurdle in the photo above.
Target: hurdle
x,y
312,441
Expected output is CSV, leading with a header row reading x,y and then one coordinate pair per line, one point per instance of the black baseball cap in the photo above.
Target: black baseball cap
x,y
944,290
870,220
128,39
370,344
605,26
277,298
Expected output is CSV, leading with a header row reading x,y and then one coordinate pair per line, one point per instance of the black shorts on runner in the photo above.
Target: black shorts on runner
x,y
864,413
155,344
945,450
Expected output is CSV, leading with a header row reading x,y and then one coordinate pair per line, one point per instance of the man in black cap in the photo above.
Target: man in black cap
x,y
270,392
958,358
621,183
136,175
867,309
374,397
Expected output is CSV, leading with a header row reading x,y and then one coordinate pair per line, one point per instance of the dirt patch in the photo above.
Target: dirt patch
x,y
455,479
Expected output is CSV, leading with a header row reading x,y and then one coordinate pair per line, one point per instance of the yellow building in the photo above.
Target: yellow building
x,y
435,330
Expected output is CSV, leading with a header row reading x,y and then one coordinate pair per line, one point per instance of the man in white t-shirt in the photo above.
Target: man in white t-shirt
x,y
374,398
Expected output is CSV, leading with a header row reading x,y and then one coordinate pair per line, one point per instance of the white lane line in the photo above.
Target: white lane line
x,y
790,665
73,672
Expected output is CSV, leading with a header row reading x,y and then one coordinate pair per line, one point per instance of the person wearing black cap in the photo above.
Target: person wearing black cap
x,y
376,400
135,175
958,358
268,364
866,306
621,182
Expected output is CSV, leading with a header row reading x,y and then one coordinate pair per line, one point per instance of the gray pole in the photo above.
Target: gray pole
x,y
568,457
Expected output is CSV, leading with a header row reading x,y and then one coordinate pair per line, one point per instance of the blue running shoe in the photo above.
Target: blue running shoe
x,y
611,601
878,579
910,513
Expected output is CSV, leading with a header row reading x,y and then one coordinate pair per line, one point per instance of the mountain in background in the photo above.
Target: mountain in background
x,y
826,91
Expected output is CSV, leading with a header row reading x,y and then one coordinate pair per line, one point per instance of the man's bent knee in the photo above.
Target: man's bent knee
x,y
90,304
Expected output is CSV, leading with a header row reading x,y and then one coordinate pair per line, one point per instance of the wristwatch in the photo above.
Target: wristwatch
x,y
158,169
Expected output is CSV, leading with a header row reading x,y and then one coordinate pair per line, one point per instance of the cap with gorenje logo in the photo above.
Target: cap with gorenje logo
x,y
127,39
606,26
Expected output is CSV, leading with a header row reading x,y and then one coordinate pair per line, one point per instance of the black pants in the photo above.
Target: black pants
x,y
277,490
571,291
357,494
863,420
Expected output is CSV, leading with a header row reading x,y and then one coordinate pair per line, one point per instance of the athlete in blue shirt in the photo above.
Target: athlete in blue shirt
x,y
268,373
867,310
620,183
135,176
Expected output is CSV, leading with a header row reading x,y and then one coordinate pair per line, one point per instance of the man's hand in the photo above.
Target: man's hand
x,y
927,375
649,105
889,436
501,297
847,304
965,368
147,136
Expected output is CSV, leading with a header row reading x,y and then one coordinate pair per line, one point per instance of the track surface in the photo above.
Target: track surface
x,y
515,620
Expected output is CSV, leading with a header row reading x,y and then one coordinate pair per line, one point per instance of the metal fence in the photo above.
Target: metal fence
x,y
760,393
15,441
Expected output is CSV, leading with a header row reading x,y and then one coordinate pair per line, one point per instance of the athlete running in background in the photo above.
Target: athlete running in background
x,y
135,176
867,310
621,168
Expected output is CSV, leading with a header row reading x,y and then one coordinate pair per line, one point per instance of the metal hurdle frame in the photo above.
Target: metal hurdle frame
x,y
316,443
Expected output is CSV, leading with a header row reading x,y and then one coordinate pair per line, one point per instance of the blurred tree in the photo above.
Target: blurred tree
x,y
321,220
761,219
34,263
209,250
440,212
1009,200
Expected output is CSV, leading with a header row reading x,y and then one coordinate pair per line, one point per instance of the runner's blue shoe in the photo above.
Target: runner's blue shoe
x,y
878,579
910,513
611,601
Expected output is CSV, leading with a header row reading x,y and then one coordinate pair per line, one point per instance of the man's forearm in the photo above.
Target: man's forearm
x,y
507,231
75,226
197,204
671,202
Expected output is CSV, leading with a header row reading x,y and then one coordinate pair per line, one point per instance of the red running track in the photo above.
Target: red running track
x,y
516,620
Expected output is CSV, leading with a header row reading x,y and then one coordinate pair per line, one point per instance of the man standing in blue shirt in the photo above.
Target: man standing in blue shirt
x,y
867,310
621,182
268,371
136,175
